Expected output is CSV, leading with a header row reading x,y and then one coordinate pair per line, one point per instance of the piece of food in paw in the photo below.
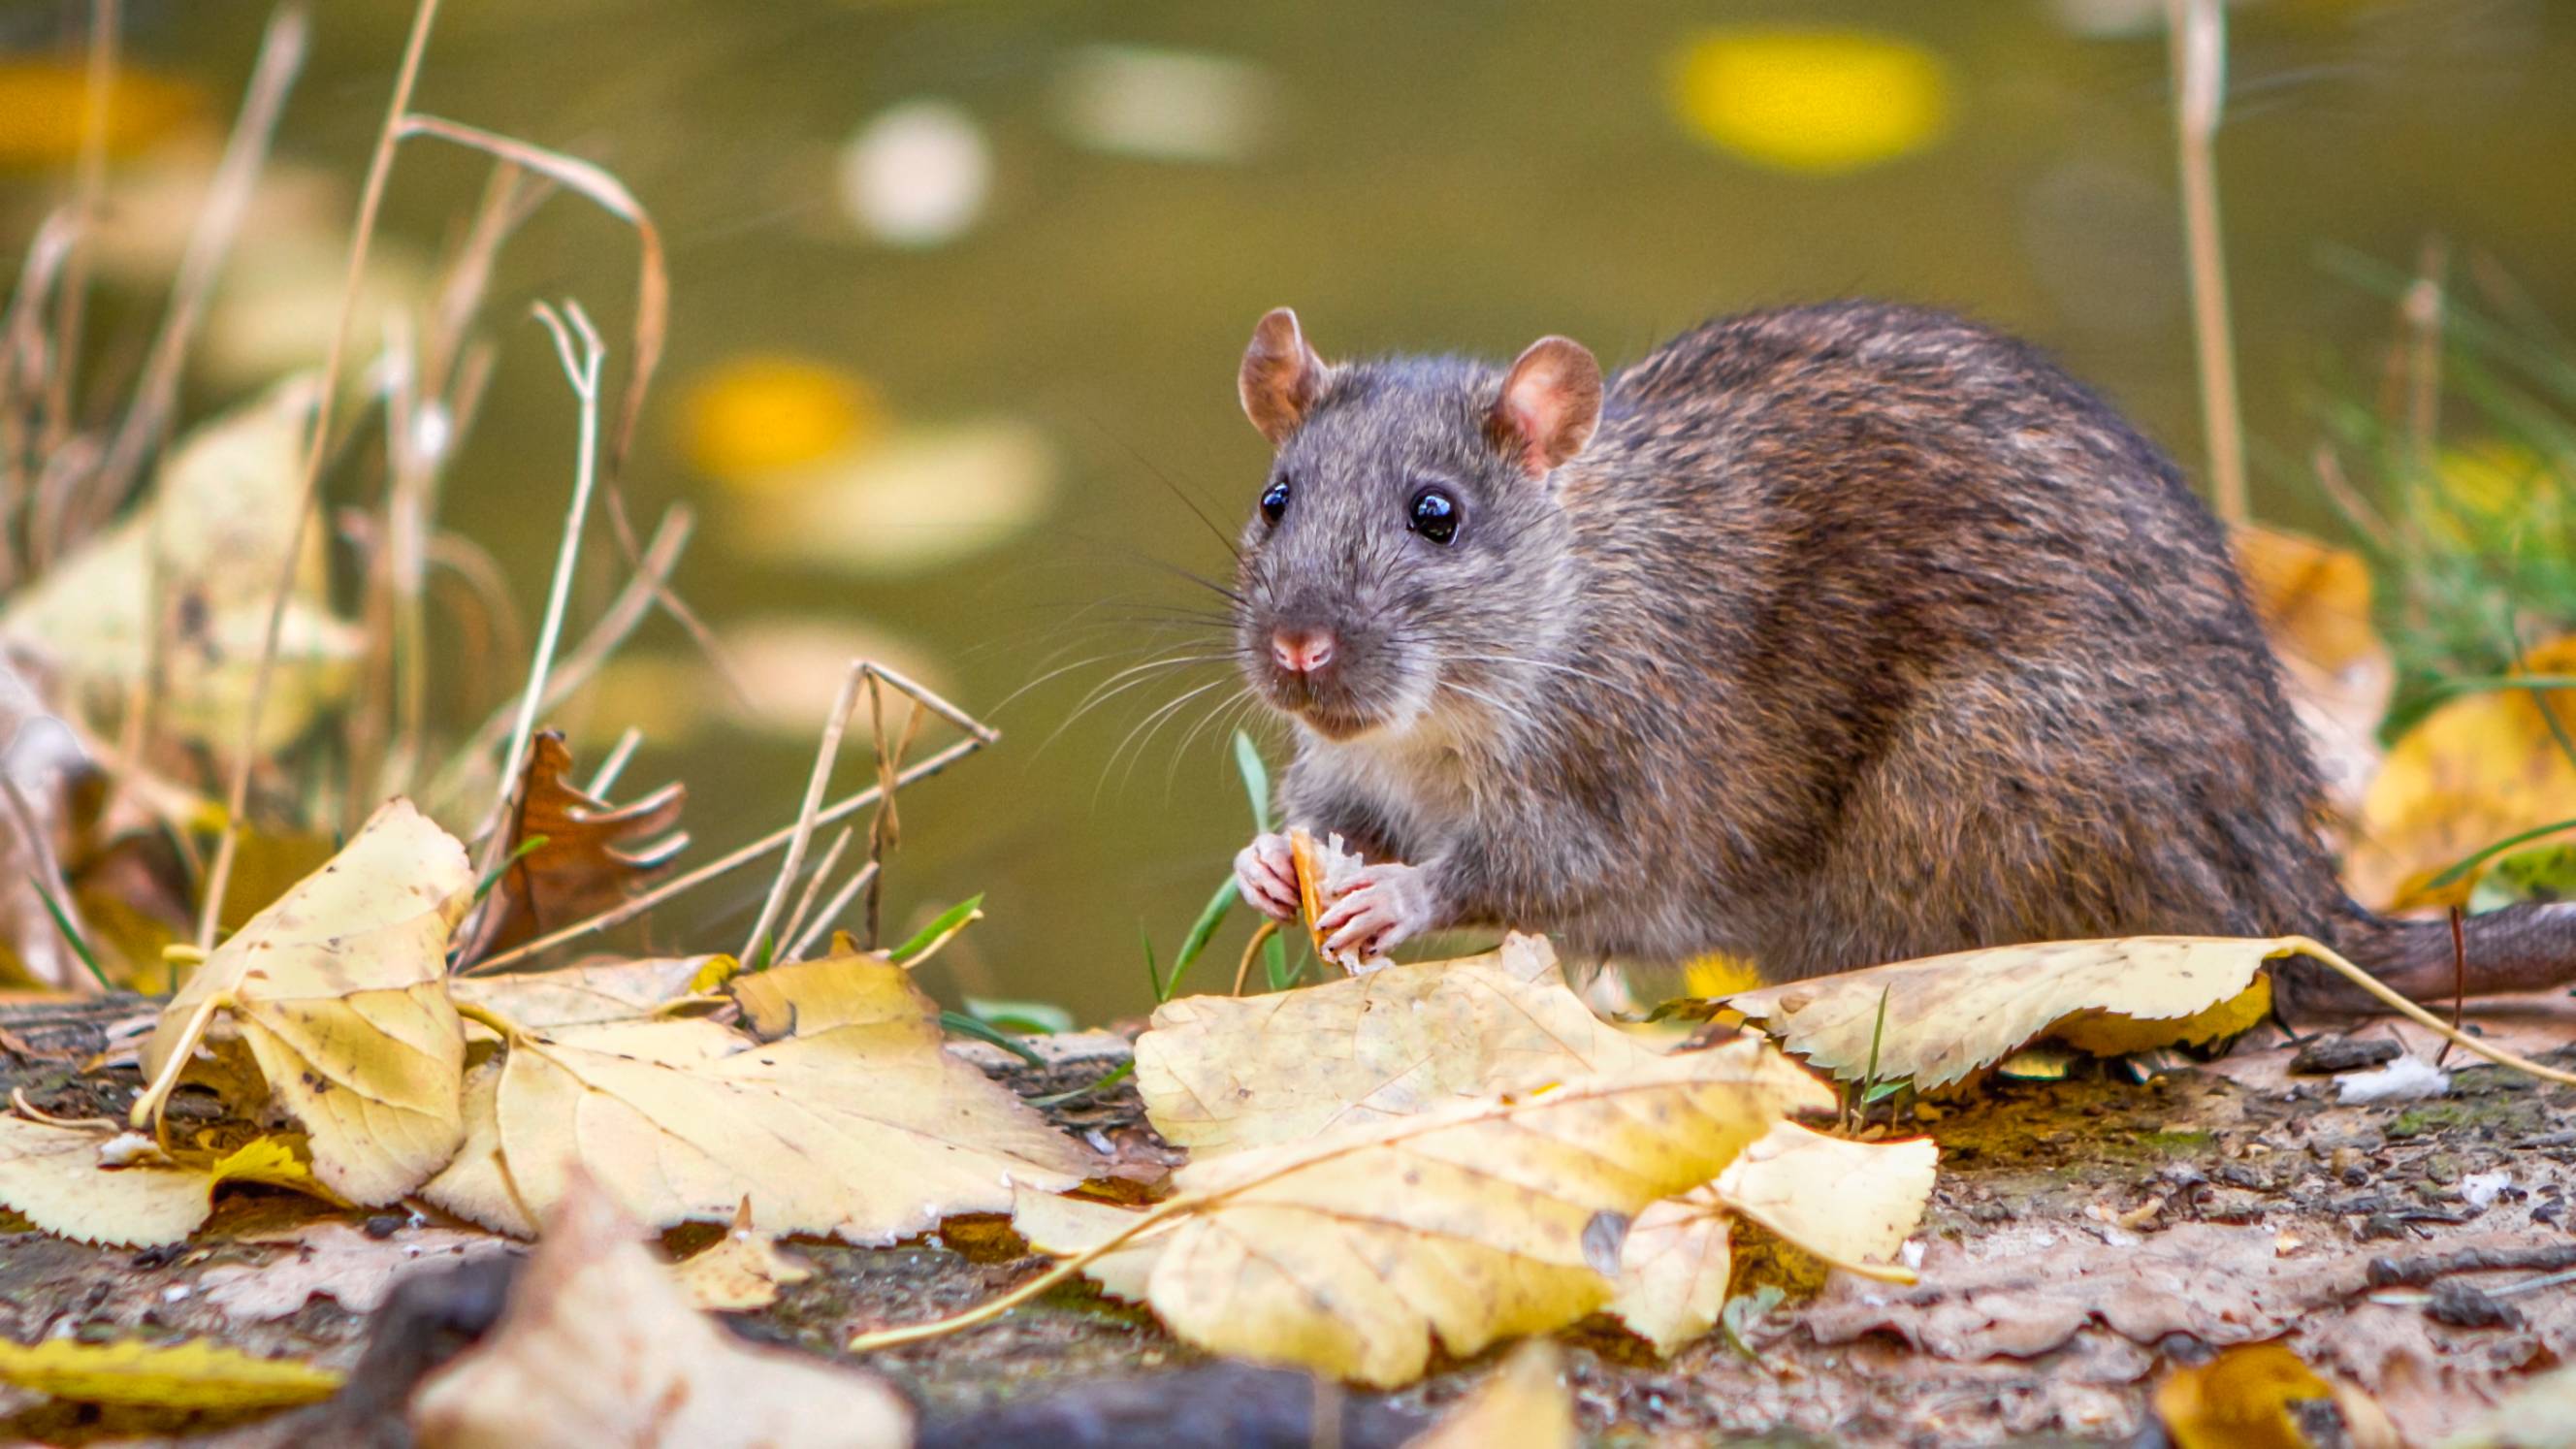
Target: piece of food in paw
x,y
1327,871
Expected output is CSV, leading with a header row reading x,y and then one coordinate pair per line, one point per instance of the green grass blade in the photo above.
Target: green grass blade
x,y
2452,876
1196,942
526,848
964,1025
1256,779
63,923
949,920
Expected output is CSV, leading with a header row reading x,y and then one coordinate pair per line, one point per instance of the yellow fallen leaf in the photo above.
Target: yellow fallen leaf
x,y
473,1184
1718,974
914,503
867,1131
1818,102
740,1271
2477,770
1674,1269
2314,604
1522,1405
1950,1016
338,994
52,1176
1852,1204
848,988
599,1346
592,992
44,109
2242,1399
1065,1226
753,417
1219,1073
196,1374
1352,1251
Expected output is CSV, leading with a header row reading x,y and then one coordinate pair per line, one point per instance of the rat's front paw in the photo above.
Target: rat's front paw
x,y
1266,872
1389,905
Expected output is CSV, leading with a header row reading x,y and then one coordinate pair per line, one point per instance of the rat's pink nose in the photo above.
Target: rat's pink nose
x,y
1301,651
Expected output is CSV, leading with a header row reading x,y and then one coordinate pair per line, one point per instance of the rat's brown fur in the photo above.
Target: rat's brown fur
x,y
1856,633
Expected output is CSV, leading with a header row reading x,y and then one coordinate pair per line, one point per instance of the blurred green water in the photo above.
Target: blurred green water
x,y
1442,175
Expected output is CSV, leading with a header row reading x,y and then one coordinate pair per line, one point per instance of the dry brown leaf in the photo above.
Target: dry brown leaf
x,y
1352,1251
867,1131
594,992
740,1271
596,856
599,1346
338,994
2475,771
1522,1405
1951,1016
2314,603
1220,1073
336,1260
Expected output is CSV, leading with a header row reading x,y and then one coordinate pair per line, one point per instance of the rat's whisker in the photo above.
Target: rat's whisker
x,y
1142,734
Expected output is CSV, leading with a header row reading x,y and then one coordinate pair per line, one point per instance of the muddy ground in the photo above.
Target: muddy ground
x,y
2086,1235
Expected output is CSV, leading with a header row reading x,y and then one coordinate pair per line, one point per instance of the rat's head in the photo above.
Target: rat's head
x,y
1408,540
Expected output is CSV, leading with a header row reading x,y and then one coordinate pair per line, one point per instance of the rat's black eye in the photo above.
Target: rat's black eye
x,y
1434,515
1274,500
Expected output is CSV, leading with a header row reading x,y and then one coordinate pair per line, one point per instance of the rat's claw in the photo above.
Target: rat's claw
x,y
1266,872
1390,905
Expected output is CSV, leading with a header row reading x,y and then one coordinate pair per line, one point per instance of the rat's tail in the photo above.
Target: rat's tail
x,y
2519,948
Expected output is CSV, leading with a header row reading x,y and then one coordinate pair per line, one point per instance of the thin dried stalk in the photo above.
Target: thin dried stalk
x,y
89,188
614,765
815,784
831,814
210,242
370,204
578,346
2421,312
885,830
831,912
2199,29
22,369
795,927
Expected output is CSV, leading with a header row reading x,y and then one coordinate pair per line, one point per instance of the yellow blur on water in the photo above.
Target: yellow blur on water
x,y
44,109
753,417
1817,102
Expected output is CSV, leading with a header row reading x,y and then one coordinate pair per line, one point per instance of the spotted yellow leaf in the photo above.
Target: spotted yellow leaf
x,y
195,1374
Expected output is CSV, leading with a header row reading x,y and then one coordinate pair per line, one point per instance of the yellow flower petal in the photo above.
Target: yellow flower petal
x,y
1818,102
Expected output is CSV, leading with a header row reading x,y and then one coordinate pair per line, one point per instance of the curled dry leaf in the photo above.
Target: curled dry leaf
x,y
54,1177
215,537
594,992
338,994
1351,1252
865,1130
2475,771
1951,1016
740,1271
594,855
599,1346
195,1374
1219,1073
1522,1405
1851,1204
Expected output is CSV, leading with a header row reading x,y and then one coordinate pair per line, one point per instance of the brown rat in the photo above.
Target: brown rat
x,y
1825,637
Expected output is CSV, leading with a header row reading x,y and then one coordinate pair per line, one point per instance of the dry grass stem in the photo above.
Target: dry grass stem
x,y
802,940
210,242
814,879
605,779
89,191
577,345
370,205
2199,29
2422,314
815,784
831,814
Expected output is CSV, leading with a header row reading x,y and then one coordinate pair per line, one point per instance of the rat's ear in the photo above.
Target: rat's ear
x,y
1281,376
1550,403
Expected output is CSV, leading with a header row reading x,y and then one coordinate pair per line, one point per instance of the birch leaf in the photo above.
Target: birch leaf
x,y
587,994
1351,1252
599,1346
1951,1016
1674,1269
1221,1073
1063,1226
847,988
867,1131
740,1271
197,1374
1849,1203
338,992
52,1176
